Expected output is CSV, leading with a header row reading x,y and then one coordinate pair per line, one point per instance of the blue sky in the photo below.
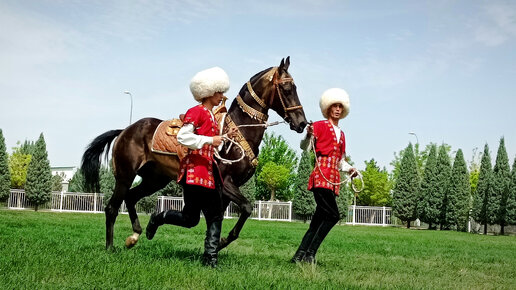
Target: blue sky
x,y
445,70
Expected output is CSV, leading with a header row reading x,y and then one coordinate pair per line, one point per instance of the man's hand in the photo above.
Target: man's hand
x,y
310,129
217,140
232,132
353,172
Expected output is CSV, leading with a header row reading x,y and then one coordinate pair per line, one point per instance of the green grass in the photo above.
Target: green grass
x,y
44,250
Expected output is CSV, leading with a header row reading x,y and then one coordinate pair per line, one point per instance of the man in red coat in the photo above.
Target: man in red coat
x,y
324,182
199,174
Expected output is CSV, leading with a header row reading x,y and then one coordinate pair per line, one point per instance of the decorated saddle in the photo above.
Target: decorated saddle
x,y
165,141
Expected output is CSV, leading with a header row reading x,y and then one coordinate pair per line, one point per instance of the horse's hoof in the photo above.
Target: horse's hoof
x,y
131,240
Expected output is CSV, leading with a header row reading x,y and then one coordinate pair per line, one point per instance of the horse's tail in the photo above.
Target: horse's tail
x,y
91,159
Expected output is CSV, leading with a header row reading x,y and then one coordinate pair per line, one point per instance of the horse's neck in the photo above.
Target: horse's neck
x,y
253,134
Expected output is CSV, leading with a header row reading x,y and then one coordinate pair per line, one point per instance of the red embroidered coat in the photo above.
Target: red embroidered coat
x,y
198,164
328,153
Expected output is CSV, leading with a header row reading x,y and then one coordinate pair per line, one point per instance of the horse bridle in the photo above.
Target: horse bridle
x,y
255,114
276,82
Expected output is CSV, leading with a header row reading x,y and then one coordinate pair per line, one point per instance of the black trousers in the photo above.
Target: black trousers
x,y
198,198
327,209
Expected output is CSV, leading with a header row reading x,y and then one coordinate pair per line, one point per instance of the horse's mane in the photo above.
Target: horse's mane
x,y
256,77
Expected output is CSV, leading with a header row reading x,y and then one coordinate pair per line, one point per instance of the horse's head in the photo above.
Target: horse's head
x,y
280,94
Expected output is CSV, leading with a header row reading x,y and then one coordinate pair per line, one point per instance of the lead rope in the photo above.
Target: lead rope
x,y
227,161
349,179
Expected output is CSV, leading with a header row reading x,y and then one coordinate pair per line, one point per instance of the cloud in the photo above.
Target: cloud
x,y
497,26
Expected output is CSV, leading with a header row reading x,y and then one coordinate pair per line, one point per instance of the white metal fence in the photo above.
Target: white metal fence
x,y
262,210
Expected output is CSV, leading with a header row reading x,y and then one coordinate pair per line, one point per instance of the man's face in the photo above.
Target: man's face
x,y
216,98
336,111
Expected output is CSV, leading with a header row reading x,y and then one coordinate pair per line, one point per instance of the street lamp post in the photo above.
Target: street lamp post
x,y
131,113
412,133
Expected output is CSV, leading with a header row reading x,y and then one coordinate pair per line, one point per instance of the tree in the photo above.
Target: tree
x,y
344,198
377,186
511,199
459,194
106,182
172,189
5,175
484,190
420,156
77,183
443,183
38,189
406,189
276,149
57,181
275,177
304,203
474,171
429,202
18,165
248,189
502,178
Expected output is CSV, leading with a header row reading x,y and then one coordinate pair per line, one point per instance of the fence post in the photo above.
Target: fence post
x,y
259,210
61,201
354,211
383,216
290,211
162,202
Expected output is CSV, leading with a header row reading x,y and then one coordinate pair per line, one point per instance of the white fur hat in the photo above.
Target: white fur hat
x,y
208,82
333,96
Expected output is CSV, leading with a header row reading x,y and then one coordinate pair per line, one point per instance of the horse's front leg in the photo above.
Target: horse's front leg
x,y
232,193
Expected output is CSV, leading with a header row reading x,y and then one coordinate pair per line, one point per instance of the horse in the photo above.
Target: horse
x,y
272,88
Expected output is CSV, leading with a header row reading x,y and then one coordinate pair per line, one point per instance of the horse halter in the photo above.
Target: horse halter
x,y
253,113
276,82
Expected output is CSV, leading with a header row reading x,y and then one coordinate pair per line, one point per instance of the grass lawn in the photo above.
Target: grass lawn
x,y
44,250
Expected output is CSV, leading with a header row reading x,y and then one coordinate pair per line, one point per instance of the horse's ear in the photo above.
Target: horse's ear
x,y
280,68
287,63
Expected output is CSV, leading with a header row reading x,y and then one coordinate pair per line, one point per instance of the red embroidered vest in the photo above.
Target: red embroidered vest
x,y
198,164
328,154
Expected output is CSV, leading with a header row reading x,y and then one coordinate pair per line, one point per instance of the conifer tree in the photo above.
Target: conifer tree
x,y
502,176
304,203
484,190
38,188
443,184
77,182
5,175
429,204
511,199
459,194
345,197
406,188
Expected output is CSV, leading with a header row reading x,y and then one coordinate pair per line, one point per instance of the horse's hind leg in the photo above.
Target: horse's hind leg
x,y
148,186
111,211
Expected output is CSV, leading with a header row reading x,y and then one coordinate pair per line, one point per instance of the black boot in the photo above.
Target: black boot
x,y
155,221
319,236
210,256
305,243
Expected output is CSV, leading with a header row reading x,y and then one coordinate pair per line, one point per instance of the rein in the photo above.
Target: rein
x,y
257,115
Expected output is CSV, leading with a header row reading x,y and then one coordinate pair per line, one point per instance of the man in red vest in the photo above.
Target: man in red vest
x,y
330,149
199,174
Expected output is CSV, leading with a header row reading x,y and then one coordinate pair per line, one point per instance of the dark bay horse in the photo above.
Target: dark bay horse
x,y
272,88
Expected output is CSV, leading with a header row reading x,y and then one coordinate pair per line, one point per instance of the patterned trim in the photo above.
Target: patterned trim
x,y
255,96
241,140
253,113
